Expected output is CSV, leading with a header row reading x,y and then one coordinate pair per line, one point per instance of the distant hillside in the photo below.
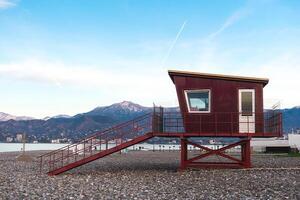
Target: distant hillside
x,y
291,119
74,127
6,117
80,125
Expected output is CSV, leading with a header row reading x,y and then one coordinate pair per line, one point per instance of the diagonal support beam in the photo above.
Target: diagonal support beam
x,y
217,152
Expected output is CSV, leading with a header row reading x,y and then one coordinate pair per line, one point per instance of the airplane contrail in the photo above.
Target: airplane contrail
x,y
173,43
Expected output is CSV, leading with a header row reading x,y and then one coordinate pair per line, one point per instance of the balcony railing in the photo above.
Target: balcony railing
x,y
265,124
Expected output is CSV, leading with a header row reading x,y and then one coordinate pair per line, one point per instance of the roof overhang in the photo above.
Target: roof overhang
x,y
173,73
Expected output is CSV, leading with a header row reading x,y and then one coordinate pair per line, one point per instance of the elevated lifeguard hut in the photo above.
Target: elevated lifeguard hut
x,y
211,105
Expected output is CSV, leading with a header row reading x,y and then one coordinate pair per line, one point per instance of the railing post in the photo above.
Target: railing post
x,y
280,124
100,142
49,162
161,118
68,154
91,147
177,126
62,157
120,143
41,164
76,152
248,124
53,161
153,120
83,148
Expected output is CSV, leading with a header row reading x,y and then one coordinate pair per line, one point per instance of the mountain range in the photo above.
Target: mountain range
x,y
6,117
80,125
72,127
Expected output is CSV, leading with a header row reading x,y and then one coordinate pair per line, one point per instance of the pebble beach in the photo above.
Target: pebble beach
x,y
151,175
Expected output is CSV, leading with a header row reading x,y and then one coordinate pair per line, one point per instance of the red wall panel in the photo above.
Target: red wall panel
x,y
223,117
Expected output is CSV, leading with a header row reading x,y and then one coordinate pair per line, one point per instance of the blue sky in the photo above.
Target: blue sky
x,y
69,56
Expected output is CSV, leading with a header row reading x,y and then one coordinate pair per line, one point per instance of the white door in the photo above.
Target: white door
x,y
246,110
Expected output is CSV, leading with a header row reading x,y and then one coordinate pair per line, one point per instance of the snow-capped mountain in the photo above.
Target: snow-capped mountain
x,y
57,116
129,106
123,110
6,117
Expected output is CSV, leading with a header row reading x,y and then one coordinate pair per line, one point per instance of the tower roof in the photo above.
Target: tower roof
x,y
173,73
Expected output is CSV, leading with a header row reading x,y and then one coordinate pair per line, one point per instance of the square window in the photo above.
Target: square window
x,y
198,100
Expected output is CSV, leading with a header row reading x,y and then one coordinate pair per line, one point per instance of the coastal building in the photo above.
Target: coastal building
x,y
294,141
290,141
224,105
55,141
19,137
58,141
9,139
211,105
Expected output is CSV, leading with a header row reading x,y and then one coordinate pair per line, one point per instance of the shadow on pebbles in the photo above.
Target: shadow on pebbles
x,y
151,175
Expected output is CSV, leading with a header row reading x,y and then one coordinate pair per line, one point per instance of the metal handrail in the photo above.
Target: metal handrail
x,y
99,132
270,121
119,132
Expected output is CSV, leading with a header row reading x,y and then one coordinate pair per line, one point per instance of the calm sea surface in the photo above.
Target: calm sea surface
x,y
9,147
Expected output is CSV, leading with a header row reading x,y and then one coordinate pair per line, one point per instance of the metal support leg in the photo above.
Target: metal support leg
x,y
247,154
183,157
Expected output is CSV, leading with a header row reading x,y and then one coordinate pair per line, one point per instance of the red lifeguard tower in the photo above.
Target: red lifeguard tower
x,y
211,105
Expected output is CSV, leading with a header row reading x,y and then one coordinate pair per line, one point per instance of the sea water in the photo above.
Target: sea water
x,y
10,147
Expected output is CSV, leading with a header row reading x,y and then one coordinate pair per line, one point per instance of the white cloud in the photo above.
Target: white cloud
x,y
141,85
283,73
60,74
6,4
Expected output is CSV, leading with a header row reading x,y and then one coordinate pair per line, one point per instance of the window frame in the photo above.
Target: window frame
x,y
240,102
195,91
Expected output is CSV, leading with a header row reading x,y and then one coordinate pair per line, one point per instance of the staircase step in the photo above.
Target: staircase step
x,y
101,154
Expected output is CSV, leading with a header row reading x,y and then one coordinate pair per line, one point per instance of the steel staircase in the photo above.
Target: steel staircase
x,y
156,124
99,145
